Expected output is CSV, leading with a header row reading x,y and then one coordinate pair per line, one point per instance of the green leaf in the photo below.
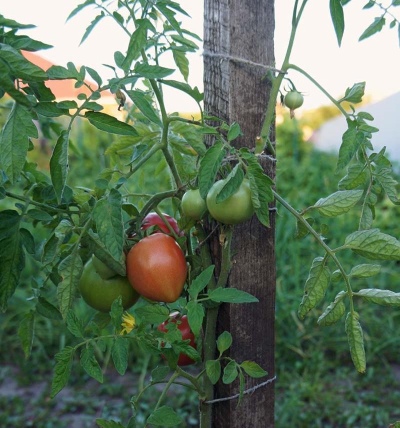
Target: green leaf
x,y
141,101
92,25
374,28
90,364
184,87
109,124
107,214
103,423
181,62
337,17
201,281
380,297
94,75
231,184
137,42
231,295
253,369
224,342
389,184
315,286
354,94
209,165
152,71
213,370
75,325
14,141
11,255
7,85
26,332
59,164
70,270
356,341
334,311
367,217
120,354
365,271
338,203
234,132
356,176
373,244
62,370
116,312
50,109
351,141
230,372
164,416
159,373
47,310
152,314
195,314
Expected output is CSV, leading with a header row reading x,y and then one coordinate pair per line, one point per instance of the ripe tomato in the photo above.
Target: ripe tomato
x,y
156,268
193,205
293,100
233,210
183,327
99,292
153,219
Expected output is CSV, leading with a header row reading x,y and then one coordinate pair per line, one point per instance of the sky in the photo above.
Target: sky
x,y
375,60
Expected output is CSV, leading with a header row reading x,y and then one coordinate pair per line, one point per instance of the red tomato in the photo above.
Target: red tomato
x,y
153,219
183,327
156,266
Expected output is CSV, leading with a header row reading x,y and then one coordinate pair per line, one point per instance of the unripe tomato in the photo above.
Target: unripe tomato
x,y
233,210
156,268
100,293
193,205
183,327
293,100
153,219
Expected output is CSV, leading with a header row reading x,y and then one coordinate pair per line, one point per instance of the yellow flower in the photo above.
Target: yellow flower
x,y
128,323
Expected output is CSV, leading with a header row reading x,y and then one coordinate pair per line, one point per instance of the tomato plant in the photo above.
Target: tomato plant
x,y
193,205
154,220
99,287
156,268
237,208
186,334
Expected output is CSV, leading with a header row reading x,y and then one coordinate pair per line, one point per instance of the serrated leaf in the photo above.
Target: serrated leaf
x,y
354,94
62,370
230,373
380,297
70,270
234,131
116,312
334,311
137,42
209,165
90,364
374,28
107,215
373,244
356,341
152,314
213,370
92,25
224,342
365,271
231,295
26,332
351,142
139,98
315,286
164,416
253,369
181,62
337,16
231,184
75,325
195,314
389,184
109,124
367,217
356,176
59,164
201,281
120,354
46,309
11,254
14,141
338,203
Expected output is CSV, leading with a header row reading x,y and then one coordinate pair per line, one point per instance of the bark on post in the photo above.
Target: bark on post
x,y
238,41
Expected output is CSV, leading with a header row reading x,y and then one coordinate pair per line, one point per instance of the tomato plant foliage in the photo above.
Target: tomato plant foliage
x,y
49,221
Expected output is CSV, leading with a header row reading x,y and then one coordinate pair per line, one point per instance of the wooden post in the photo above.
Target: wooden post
x,y
238,41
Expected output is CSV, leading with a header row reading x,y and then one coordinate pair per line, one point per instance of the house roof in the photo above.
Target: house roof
x,y
386,115
62,89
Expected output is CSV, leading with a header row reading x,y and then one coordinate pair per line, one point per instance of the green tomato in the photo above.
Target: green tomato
x,y
233,210
100,293
193,205
293,100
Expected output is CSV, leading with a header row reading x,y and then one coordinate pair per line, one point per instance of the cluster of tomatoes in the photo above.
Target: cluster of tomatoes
x,y
156,266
